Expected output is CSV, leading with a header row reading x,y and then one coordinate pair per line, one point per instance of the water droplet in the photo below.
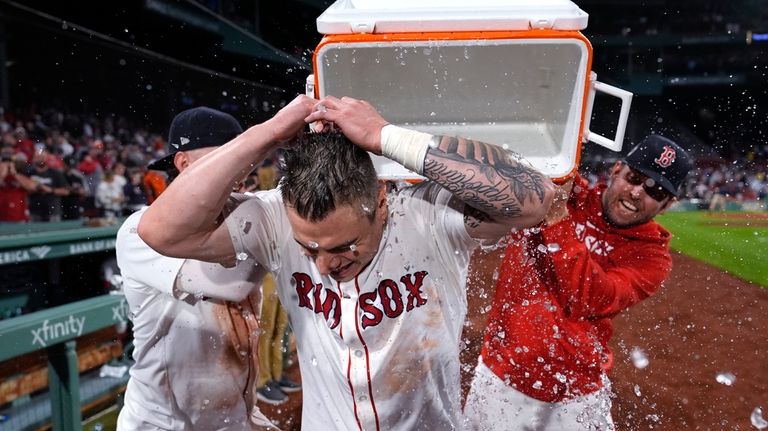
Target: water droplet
x,y
639,358
542,248
314,361
353,247
637,390
757,419
560,377
433,114
198,294
536,384
242,256
501,335
313,245
725,378
553,247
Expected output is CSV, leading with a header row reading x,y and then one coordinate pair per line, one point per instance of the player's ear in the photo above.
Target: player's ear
x,y
616,168
381,202
180,160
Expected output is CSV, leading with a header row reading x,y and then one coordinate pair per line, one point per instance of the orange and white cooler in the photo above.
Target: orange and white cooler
x,y
512,73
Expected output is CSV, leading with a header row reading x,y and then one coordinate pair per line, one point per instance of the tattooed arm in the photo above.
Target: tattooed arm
x,y
499,191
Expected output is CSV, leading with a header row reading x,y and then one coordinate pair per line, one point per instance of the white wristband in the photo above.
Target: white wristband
x,y
407,147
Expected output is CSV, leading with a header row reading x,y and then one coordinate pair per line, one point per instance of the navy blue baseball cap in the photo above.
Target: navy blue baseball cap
x,y
196,128
661,160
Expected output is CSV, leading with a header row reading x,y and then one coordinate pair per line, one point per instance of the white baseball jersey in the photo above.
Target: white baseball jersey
x,y
196,355
379,352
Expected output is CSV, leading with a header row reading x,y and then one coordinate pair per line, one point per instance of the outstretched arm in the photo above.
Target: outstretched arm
x,y
500,191
185,219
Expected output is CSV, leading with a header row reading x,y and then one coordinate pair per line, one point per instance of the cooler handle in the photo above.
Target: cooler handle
x,y
309,86
621,127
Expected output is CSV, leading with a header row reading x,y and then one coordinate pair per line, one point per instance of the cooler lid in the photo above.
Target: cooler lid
x,y
407,16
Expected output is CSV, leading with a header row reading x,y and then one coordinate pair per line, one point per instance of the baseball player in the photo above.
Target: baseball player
x,y
545,352
195,324
373,284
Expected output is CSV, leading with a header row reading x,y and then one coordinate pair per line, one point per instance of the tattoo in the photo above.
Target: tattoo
x,y
483,176
473,217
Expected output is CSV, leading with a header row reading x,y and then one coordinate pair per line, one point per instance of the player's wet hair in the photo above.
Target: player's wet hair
x,y
322,171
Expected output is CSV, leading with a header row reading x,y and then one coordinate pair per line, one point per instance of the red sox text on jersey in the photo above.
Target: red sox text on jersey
x,y
392,303
586,233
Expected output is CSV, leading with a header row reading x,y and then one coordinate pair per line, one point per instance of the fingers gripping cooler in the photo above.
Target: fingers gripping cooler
x,y
511,73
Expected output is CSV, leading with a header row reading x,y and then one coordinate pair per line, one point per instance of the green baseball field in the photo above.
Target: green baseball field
x,y
736,242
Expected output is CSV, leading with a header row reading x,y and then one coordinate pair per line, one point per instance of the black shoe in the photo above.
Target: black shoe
x,y
288,386
271,394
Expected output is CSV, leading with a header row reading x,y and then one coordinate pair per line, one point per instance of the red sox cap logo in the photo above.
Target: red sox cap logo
x,y
666,158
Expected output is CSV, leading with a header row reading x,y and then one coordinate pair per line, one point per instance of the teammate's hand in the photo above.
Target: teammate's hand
x,y
357,119
289,121
559,209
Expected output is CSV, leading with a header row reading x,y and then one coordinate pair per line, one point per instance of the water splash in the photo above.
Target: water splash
x,y
639,358
757,419
726,378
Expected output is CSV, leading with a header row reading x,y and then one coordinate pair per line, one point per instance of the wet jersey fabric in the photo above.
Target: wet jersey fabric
x,y
559,287
379,352
196,356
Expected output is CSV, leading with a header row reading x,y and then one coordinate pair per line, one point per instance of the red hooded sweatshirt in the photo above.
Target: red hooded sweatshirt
x,y
558,289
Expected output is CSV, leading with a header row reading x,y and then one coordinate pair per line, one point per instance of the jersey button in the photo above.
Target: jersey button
x,y
362,398
359,353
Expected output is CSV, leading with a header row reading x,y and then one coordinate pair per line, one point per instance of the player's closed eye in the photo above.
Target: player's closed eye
x,y
652,189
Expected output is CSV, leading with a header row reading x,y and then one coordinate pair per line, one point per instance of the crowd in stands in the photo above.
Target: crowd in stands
x,y
58,166
741,180
713,183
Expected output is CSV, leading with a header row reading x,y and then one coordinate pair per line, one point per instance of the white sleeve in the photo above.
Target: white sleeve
x,y
215,281
140,263
259,228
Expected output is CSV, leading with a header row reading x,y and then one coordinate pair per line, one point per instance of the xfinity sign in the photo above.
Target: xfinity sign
x,y
49,332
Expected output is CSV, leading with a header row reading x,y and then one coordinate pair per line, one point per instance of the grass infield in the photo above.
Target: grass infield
x,y
734,241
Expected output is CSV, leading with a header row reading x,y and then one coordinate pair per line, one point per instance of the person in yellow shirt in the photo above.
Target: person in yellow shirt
x,y
272,385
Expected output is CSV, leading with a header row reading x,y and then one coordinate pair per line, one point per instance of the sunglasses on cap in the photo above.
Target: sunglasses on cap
x,y
652,189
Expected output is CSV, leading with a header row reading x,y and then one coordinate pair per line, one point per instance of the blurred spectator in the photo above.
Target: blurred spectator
x,y
109,196
719,198
45,201
23,143
135,195
74,203
120,178
13,189
92,172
